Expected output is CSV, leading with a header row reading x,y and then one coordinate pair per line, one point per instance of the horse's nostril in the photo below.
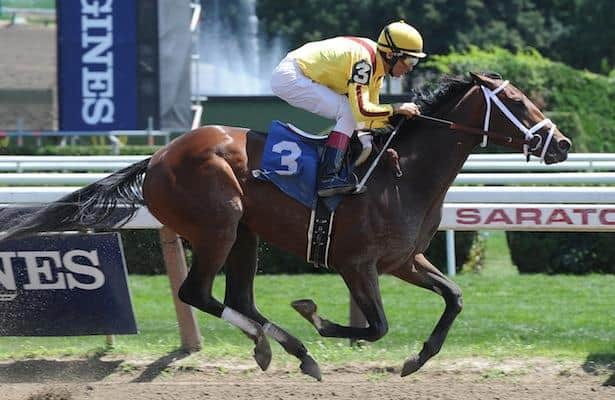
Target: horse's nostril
x,y
564,144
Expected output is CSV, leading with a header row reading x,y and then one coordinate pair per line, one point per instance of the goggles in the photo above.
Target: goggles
x,y
410,61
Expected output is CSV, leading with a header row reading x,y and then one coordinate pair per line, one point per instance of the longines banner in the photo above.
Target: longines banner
x,y
97,64
60,285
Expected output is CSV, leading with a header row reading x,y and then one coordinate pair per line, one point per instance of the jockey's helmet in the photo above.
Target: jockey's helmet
x,y
401,39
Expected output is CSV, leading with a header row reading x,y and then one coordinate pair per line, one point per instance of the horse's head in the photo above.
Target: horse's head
x,y
509,110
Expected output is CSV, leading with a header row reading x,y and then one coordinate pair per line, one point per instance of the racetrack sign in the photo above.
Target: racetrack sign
x,y
63,285
97,65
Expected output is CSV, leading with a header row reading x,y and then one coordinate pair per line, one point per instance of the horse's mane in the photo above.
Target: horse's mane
x,y
431,97
430,100
448,87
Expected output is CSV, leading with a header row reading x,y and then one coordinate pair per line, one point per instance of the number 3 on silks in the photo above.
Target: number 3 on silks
x,y
287,160
361,72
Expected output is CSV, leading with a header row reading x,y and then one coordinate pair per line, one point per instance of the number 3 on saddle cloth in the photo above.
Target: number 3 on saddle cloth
x,y
290,161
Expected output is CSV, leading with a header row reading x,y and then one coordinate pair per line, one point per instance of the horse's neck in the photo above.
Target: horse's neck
x,y
434,160
432,155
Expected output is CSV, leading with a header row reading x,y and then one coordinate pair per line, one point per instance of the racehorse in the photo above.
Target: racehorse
x,y
201,186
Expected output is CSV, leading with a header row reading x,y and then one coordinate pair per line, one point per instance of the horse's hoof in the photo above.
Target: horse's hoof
x,y
411,365
304,307
262,353
310,367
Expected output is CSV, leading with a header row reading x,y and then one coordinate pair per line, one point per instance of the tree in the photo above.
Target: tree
x,y
577,32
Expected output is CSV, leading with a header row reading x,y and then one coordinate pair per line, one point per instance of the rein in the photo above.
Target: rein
x,y
507,140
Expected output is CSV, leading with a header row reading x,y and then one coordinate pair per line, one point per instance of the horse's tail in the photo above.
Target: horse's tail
x,y
104,204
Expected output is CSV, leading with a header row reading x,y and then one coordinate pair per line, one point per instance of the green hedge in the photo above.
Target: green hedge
x,y
562,252
142,251
32,149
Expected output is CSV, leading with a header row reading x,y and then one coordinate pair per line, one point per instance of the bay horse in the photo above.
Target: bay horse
x,y
200,185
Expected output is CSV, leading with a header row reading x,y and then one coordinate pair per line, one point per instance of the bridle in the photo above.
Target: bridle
x,y
531,138
530,143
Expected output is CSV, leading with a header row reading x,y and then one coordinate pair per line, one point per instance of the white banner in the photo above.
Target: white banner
x,y
546,217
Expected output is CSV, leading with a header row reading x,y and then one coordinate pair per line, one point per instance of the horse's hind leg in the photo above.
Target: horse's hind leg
x,y
208,258
422,273
240,269
363,285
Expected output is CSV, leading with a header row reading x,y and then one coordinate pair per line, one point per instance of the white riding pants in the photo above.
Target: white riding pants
x,y
290,84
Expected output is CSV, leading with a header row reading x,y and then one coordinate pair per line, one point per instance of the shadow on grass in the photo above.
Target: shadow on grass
x,y
157,367
601,362
36,371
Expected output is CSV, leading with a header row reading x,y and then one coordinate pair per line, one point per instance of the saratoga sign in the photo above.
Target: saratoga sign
x,y
528,216
60,285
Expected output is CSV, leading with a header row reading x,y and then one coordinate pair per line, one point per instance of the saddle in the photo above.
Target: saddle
x,y
361,144
290,161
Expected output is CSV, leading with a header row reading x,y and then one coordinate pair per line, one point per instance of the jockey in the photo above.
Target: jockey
x,y
341,78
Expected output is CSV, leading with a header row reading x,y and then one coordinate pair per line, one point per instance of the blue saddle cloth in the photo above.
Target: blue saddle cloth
x,y
290,161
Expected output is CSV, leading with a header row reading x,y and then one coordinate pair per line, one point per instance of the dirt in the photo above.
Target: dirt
x,y
180,378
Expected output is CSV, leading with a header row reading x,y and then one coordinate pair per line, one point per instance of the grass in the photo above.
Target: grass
x,y
50,4
505,315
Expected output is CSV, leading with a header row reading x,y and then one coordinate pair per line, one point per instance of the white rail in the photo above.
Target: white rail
x,y
504,165
66,163
544,178
72,178
519,157
589,162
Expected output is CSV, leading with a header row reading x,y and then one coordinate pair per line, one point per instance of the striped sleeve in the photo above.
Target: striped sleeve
x,y
363,108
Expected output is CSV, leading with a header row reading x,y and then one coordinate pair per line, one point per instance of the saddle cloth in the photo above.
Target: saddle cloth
x,y
290,161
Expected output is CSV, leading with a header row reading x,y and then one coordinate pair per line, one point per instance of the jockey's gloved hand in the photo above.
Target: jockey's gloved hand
x,y
408,109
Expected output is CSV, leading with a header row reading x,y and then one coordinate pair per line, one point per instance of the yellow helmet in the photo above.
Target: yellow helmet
x,y
401,39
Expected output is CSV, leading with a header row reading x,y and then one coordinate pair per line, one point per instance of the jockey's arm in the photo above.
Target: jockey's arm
x,y
372,114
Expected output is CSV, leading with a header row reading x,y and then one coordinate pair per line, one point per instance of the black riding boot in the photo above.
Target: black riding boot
x,y
329,181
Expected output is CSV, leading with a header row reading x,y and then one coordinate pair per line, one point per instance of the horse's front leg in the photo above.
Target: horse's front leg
x,y
365,290
422,273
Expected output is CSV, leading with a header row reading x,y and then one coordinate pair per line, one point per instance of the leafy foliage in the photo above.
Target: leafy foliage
x,y
142,251
571,31
562,252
